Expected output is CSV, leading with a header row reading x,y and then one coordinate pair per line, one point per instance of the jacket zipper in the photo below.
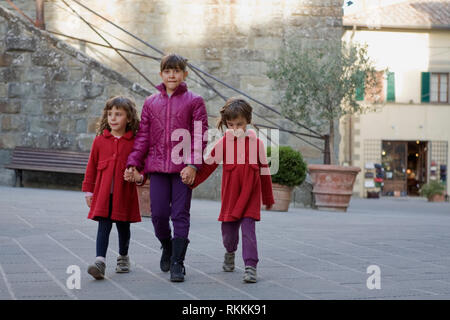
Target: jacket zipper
x,y
166,166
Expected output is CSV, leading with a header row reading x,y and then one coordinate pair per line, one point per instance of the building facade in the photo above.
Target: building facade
x,y
404,142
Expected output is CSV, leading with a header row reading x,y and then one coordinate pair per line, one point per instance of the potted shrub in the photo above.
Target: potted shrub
x,y
317,86
291,172
433,191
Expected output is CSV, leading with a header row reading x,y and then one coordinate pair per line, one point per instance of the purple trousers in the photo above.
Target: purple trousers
x,y
230,237
170,199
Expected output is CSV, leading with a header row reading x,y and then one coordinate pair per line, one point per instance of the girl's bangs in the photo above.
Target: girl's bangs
x,y
118,102
232,113
174,62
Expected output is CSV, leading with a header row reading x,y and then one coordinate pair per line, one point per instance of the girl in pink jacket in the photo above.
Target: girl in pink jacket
x,y
173,108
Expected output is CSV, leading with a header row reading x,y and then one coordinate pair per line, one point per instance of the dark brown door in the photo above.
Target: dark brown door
x,y
394,161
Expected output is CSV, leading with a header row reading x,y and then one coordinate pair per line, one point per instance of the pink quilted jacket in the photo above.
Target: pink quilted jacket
x,y
161,115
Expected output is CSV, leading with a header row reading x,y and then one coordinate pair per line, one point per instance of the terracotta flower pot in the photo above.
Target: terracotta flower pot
x,y
332,185
282,196
144,199
437,198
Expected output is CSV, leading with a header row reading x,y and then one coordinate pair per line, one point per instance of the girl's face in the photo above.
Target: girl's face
x,y
117,121
172,78
238,125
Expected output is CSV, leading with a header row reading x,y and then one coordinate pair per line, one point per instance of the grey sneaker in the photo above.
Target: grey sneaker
x,y
250,274
97,270
228,262
123,264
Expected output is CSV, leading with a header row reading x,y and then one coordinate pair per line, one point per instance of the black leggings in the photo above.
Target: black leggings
x,y
104,229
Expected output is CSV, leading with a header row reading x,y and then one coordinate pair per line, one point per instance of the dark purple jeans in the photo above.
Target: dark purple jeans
x,y
170,198
230,237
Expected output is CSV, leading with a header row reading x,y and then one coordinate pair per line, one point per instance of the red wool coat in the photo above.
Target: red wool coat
x,y
243,185
108,159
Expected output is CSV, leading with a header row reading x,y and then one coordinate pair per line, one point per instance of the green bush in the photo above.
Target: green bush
x,y
292,168
432,188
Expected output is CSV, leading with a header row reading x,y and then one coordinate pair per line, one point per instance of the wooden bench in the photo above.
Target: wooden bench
x,y
33,159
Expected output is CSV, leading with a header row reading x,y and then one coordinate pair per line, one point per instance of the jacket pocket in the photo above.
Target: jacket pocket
x,y
102,165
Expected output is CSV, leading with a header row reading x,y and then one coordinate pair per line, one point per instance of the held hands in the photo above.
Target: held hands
x,y
188,175
132,175
128,174
88,200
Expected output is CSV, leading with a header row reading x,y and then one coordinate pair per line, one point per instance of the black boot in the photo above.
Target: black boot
x,y
177,270
166,246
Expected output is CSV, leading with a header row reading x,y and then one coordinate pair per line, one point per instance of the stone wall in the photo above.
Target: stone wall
x,y
51,95
233,40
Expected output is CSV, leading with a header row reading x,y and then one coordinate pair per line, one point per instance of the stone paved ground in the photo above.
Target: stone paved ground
x,y
304,254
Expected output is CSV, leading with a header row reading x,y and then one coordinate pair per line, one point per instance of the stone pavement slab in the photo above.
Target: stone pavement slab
x,y
304,254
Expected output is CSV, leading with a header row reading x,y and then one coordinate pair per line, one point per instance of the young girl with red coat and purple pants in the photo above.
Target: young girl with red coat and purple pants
x,y
246,181
174,107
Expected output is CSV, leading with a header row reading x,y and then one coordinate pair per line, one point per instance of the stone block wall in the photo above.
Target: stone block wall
x,y
51,94
233,40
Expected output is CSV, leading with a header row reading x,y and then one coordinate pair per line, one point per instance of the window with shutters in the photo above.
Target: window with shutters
x,y
390,90
425,90
439,87
373,94
360,89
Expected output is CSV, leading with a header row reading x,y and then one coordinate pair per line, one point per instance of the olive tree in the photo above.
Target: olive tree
x,y
319,85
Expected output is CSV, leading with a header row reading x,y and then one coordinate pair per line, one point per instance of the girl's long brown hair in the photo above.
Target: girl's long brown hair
x,y
234,108
120,102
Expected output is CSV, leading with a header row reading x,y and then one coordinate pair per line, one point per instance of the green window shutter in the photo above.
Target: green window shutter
x,y
390,92
360,91
425,91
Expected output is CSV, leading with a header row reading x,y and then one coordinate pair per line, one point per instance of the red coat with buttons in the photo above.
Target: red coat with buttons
x,y
246,180
104,172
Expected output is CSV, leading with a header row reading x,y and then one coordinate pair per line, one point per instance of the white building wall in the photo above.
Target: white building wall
x,y
407,54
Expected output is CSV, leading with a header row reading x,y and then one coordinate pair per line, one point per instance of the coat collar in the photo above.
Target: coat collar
x,y
128,135
249,133
182,88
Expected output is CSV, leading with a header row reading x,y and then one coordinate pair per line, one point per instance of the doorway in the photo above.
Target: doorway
x,y
416,172
405,167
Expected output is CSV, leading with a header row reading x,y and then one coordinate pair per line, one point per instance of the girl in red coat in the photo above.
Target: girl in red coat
x,y
109,197
245,180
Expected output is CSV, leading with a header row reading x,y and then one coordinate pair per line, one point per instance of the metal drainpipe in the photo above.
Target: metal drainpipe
x,y
40,20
